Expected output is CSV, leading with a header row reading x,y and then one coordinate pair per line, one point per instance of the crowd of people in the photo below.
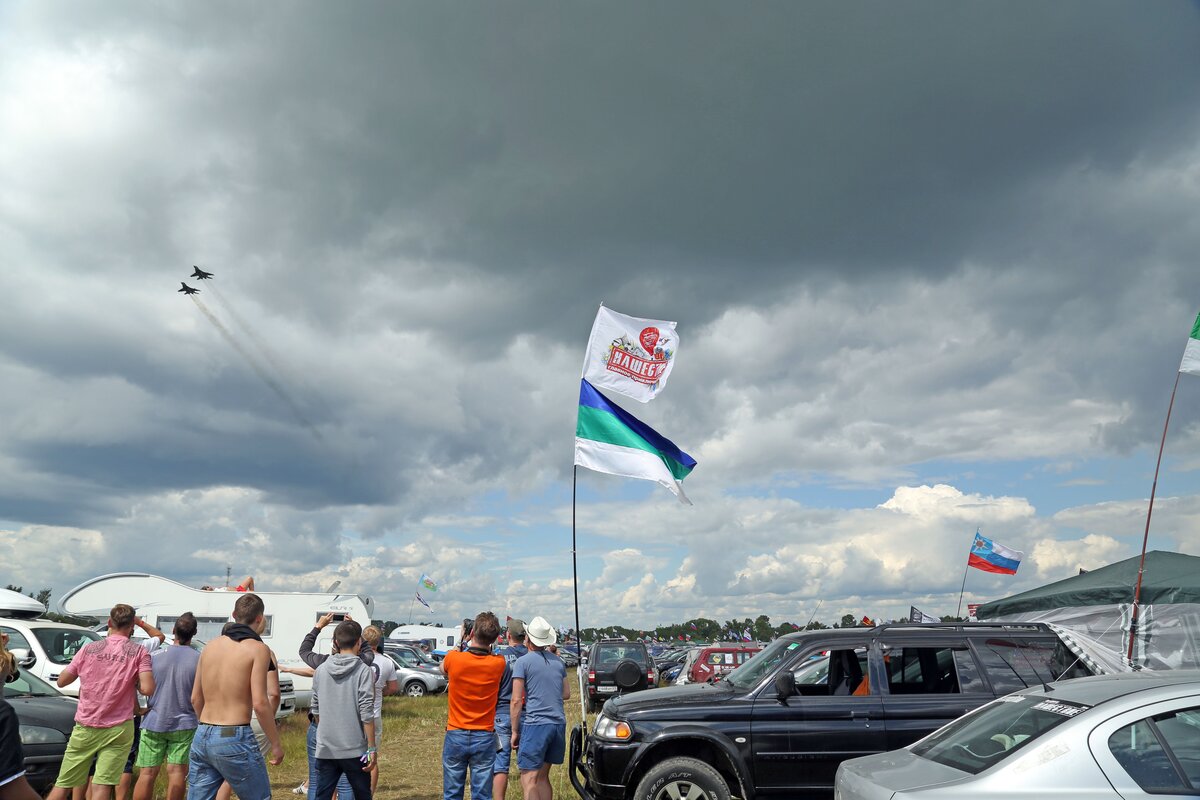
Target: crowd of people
x,y
200,707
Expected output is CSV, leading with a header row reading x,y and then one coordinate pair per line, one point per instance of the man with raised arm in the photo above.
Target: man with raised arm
x,y
231,683
112,670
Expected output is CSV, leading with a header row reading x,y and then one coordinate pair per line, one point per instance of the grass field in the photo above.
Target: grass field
x,y
410,755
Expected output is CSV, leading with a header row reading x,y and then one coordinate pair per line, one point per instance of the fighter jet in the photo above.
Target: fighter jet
x,y
187,289
200,274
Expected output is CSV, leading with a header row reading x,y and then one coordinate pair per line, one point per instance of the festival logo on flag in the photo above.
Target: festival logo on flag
x,y
630,355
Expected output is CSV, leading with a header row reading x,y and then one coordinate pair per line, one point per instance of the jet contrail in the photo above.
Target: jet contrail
x,y
258,342
258,369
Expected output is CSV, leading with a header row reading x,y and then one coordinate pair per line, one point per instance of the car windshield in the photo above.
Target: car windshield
x,y
763,663
61,644
29,685
978,741
609,655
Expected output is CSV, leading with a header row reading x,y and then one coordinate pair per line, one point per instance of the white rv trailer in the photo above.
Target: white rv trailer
x,y
289,615
444,639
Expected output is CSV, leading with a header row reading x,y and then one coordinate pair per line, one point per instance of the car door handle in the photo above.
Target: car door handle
x,y
860,715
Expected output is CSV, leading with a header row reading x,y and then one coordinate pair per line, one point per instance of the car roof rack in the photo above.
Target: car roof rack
x,y
963,626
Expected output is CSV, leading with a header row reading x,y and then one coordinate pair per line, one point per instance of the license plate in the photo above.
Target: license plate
x,y
606,689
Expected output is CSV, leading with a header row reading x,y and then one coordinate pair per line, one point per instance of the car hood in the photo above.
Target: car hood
x,y
48,712
881,775
672,696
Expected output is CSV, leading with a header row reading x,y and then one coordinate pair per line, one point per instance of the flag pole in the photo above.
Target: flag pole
x,y
963,588
575,587
411,603
1137,591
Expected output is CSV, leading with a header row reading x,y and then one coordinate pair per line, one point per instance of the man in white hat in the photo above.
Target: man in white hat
x,y
540,686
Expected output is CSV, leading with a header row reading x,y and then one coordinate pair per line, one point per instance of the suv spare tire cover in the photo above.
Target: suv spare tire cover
x,y
628,674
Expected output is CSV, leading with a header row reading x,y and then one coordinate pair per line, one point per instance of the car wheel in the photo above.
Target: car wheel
x,y
682,779
414,689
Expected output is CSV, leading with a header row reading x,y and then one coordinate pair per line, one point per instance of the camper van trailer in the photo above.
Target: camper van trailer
x,y
441,640
290,616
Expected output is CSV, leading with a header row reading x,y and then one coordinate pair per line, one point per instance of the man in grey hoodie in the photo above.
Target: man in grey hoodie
x,y
343,704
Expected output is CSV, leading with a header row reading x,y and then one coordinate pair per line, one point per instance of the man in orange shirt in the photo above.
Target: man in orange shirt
x,y
474,676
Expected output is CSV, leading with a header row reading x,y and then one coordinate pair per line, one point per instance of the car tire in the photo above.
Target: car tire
x,y
415,689
684,778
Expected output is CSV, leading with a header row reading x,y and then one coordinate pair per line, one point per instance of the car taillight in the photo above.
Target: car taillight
x,y
591,676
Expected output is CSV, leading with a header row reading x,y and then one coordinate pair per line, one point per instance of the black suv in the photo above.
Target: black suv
x,y
617,667
782,722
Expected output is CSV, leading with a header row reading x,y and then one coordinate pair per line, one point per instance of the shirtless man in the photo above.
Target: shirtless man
x,y
231,682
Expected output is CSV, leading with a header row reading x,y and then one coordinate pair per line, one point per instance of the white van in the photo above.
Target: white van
x,y
442,640
41,646
290,616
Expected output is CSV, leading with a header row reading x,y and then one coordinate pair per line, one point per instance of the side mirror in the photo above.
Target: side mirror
x,y
785,686
24,657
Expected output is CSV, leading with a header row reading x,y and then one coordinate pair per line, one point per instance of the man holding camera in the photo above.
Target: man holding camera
x,y
470,743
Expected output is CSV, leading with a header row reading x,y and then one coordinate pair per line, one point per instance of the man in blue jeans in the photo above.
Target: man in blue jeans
x,y
516,648
540,685
231,681
470,744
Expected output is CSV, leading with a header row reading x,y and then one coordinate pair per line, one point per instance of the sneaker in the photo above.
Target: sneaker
x,y
301,789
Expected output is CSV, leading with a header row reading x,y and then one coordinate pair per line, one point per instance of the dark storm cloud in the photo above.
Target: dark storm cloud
x,y
396,194
687,154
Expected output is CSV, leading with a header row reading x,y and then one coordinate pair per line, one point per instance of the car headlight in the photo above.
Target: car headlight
x,y
36,734
609,728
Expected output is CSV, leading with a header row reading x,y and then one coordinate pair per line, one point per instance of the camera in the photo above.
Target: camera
x,y
468,626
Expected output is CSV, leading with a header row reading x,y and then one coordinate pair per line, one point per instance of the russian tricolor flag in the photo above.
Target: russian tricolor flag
x,y
992,556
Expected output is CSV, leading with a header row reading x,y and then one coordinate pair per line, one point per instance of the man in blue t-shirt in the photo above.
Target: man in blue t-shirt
x,y
516,648
170,724
539,684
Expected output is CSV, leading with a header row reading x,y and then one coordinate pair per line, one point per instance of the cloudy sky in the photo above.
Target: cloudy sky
x,y
933,267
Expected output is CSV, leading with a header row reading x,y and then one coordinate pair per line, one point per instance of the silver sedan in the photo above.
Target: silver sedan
x,y
1125,736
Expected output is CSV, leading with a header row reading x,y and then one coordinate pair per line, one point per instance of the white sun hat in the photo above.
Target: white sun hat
x,y
540,632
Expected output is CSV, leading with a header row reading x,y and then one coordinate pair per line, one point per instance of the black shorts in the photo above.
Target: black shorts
x,y
12,759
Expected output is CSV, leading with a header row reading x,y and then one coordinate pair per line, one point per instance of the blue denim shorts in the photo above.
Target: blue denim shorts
x,y
227,753
504,744
541,744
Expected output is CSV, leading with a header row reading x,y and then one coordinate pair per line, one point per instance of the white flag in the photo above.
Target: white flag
x,y
1191,353
630,355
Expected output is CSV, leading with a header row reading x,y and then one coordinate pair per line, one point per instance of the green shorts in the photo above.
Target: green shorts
x,y
110,748
171,747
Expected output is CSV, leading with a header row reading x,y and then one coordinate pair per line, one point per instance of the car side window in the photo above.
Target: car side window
x,y
1141,750
921,670
16,641
969,680
1012,665
835,672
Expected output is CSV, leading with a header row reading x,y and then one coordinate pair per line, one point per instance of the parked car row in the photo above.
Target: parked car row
x,y
783,721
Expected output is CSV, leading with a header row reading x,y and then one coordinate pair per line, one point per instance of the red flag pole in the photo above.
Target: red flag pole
x,y
1137,591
